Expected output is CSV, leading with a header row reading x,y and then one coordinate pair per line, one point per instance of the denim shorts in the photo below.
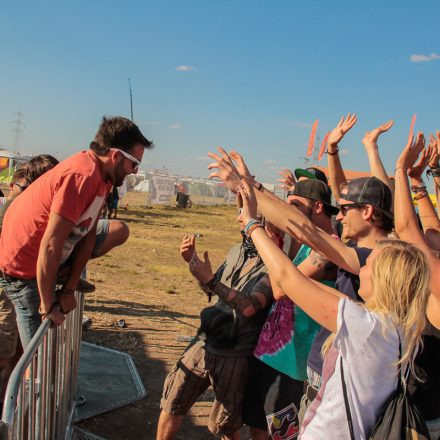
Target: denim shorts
x,y
26,300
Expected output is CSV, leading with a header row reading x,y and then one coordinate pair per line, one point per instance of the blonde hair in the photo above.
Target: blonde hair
x,y
400,278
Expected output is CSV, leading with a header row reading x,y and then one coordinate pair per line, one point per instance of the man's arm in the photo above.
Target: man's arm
x,y
335,171
288,218
370,143
245,304
49,257
292,221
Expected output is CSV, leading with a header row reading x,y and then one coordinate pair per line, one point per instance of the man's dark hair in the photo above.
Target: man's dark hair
x,y
382,221
38,165
20,173
118,132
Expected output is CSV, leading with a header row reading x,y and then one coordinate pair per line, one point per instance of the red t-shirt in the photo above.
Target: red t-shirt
x,y
74,189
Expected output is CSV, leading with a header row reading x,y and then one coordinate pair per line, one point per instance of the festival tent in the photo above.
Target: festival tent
x,y
9,162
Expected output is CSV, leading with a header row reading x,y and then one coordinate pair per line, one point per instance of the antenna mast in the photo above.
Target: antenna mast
x,y
18,129
131,98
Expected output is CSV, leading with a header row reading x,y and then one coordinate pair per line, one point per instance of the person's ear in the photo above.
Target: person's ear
x,y
367,212
318,207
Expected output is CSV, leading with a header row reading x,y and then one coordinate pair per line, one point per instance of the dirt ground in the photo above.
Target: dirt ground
x,y
146,283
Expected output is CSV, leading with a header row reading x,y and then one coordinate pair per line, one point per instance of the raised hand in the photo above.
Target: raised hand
x,y
416,171
240,164
200,269
226,170
411,152
344,125
370,137
249,200
288,179
434,154
188,247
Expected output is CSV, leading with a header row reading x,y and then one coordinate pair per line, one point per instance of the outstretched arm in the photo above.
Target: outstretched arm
x,y
335,171
405,219
289,219
319,304
370,143
428,217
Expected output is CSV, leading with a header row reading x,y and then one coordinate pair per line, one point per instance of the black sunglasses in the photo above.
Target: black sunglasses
x,y
343,209
22,187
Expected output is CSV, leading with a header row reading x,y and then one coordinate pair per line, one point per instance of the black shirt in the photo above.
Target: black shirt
x,y
426,391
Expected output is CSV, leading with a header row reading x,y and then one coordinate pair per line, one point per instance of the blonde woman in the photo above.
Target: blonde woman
x,y
394,285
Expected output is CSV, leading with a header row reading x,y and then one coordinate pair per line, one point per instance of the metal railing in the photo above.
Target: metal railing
x,y
40,396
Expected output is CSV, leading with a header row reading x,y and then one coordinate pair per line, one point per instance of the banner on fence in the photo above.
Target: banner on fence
x,y
161,189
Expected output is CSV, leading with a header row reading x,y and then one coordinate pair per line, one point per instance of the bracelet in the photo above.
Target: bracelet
x,y
44,314
421,195
251,222
435,172
334,153
418,188
259,186
64,291
252,229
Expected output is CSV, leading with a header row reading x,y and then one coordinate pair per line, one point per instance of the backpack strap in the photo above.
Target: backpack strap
x,y
347,405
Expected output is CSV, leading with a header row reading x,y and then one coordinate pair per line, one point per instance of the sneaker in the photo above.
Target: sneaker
x,y
84,286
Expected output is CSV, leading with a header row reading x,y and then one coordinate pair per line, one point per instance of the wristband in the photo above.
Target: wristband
x,y
251,222
334,153
252,229
44,314
421,195
435,172
64,291
259,186
418,188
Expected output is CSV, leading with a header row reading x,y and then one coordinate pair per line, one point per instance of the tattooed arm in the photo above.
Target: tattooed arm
x,y
318,268
245,304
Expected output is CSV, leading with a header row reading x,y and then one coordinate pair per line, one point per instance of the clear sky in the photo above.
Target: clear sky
x,y
249,75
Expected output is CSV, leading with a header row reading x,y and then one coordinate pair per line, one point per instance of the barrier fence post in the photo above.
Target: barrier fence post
x,y
40,396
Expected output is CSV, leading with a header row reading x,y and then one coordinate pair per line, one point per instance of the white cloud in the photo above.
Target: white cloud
x,y
202,158
420,58
344,152
175,126
300,124
149,123
185,68
270,162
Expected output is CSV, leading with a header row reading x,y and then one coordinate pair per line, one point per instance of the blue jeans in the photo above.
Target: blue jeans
x,y
26,299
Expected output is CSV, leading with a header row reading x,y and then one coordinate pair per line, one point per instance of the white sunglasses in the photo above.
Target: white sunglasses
x,y
128,156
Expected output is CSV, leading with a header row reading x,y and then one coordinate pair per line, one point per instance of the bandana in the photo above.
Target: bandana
x,y
250,250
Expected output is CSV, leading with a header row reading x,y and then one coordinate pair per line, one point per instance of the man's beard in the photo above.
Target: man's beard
x,y
119,175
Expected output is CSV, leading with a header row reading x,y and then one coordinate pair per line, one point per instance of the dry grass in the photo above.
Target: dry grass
x,y
146,283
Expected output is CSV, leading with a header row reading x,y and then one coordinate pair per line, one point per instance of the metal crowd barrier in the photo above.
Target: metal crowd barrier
x,y
40,396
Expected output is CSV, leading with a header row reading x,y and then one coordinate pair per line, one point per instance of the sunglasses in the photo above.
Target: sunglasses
x,y
137,162
22,187
343,209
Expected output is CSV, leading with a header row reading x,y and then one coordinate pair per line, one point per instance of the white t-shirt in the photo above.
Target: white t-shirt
x,y
369,373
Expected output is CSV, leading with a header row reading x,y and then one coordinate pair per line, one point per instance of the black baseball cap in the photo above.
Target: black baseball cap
x,y
315,189
370,191
311,173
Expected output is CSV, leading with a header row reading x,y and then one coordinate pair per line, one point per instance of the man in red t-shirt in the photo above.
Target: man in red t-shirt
x,y
54,222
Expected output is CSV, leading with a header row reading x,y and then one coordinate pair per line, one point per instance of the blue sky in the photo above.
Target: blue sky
x,y
248,75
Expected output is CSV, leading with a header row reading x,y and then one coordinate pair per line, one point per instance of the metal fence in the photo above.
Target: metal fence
x,y
40,397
